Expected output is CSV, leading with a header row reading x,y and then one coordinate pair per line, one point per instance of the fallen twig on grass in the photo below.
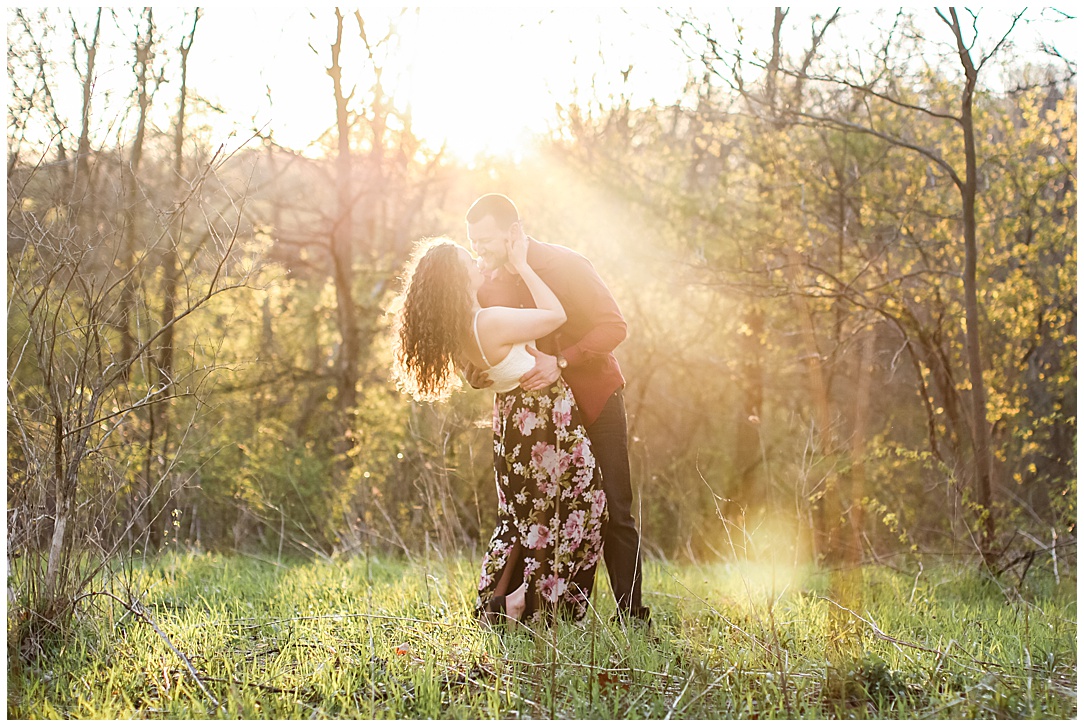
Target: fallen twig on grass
x,y
881,634
339,616
877,632
137,610
265,687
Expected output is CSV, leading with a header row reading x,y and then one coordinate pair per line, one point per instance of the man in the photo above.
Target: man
x,y
582,351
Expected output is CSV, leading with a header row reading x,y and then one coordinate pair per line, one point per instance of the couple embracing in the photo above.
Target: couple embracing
x,y
536,324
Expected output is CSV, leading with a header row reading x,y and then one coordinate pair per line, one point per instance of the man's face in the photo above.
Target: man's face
x,y
490,242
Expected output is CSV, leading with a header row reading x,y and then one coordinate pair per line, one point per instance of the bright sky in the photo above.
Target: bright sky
x,y
482,77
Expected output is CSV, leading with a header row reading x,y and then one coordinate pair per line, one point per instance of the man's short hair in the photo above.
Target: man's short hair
x,y
502,209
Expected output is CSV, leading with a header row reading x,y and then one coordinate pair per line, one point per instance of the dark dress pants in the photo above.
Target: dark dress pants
x,y
620,539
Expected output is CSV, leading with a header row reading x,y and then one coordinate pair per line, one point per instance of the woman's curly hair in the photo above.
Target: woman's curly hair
x,y
431,318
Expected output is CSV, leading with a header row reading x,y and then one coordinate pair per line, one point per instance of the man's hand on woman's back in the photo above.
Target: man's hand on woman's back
x,y
476,377
544,373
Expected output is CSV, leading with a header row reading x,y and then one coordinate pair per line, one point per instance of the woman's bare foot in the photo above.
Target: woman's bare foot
x,y
515,603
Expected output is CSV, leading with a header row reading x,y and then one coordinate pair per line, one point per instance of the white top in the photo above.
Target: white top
x,y
505,374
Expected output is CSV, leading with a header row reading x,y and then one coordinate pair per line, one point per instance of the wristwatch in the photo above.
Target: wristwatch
x,y
562,362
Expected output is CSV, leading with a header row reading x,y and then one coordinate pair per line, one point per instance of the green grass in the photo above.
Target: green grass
x,y
321,639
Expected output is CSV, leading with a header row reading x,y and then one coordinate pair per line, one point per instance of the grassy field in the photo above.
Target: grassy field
x,y
373,638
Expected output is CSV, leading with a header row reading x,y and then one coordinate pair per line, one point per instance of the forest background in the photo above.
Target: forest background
x,y
847,261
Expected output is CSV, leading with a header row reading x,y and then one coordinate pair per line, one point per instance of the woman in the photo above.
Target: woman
x,y
543,553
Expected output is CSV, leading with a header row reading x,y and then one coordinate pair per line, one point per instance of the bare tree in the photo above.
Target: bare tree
x,y
62,375
76,396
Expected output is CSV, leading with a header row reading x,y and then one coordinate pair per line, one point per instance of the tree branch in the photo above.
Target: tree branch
x,y
868,90
895,140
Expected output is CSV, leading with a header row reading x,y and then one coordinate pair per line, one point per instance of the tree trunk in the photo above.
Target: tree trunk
x,y
139,507
968,192
82,159
748,497
57,546
158,410
128,255
824,503
858,447
342,253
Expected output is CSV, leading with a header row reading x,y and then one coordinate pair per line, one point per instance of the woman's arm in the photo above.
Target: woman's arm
x,y
544,298
501,327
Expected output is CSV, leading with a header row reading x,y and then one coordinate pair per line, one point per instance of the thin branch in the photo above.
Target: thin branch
x,y
895,140
996,48
148,399
868,90
379,616
137,610
881,634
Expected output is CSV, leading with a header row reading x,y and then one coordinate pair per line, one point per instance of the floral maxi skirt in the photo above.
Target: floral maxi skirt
x,y
549,501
